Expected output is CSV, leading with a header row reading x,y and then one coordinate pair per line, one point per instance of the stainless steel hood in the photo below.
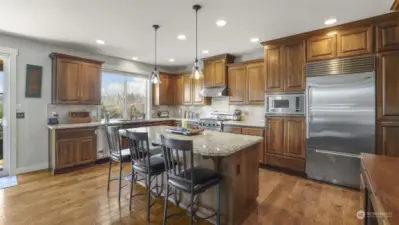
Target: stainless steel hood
x,y
214,91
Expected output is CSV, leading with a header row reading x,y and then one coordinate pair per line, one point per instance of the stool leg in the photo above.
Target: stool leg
x,y
149,196
218,205
109,173
191,209
120,181
165,207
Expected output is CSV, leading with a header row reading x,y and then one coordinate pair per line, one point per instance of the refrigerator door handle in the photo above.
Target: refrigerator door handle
x,y
307,114
338,153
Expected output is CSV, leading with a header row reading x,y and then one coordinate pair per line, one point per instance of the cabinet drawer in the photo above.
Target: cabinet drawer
x,y
252,131
75,133
286,162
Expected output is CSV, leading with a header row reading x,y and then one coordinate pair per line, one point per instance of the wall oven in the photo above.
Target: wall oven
x,y
285,104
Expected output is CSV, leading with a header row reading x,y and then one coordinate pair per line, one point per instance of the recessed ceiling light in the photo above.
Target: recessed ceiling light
x,y
181,37
255,39
100,42
135,58
205,51
330,21
221,23
171,60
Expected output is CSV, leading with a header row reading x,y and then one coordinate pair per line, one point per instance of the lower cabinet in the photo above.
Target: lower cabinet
x,y
73,147
388,138
285,143
249,131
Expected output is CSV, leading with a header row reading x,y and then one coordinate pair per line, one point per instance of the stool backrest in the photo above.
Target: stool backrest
x,y
179,159
114,140
139,147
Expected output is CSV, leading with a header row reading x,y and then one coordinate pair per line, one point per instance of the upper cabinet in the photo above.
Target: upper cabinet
x,y
395,5
164,93
197,86
285,67
187,87
355,41
75,80
246,83
388,36
215,70
321,47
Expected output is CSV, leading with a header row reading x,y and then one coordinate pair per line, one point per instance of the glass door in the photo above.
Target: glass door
x,y
3,123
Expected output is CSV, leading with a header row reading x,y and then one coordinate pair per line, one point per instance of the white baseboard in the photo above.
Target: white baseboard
x,y
36,167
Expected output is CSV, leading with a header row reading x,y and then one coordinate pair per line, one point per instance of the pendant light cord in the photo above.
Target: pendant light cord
x,y
196,35
155,56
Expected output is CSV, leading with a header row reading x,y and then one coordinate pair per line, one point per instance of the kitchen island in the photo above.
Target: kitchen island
x,y
233,156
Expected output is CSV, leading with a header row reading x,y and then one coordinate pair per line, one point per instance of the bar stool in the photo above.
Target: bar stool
x,y
145,165
117,154
183,176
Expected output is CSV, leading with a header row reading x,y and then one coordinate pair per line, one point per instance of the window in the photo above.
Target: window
x,y
123,96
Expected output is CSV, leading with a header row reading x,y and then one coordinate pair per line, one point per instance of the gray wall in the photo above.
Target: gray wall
x,y
32,141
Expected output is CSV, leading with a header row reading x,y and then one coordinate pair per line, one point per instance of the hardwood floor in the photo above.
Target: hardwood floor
x,y
81,197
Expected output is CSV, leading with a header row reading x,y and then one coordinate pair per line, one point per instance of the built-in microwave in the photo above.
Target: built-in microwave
x,y
285,104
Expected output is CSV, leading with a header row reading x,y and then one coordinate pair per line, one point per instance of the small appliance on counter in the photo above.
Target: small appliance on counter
x,y
79,117
53,120
163,114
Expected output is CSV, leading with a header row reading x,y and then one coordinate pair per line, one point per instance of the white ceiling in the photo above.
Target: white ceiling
x,y
126,25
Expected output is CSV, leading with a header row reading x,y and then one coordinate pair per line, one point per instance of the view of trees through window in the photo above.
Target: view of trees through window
x,y
124,96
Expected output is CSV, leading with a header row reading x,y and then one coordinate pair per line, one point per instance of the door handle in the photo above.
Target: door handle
x,y
338,153
307,114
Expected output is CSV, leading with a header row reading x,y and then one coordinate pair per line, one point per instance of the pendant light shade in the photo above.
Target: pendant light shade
x,y
155,79
196,72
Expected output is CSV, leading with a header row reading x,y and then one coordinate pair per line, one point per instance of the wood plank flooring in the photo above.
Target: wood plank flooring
x,y
81,198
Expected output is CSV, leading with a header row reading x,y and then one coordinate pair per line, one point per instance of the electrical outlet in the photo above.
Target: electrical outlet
x,y
20,115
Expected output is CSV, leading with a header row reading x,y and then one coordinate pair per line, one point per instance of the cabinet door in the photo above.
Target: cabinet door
x,y
90,80
354,42
86,150
321,47
219,73
198,85
66,153
187,90
294,67
388,138
294,137
67,81
275,135
208,74
388,36
236,87
179,90
273,73
257,132
236,130
256,83
164,89
387,86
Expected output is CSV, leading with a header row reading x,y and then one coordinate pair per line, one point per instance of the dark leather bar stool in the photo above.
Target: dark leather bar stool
x,y
145,165
183,176
117,154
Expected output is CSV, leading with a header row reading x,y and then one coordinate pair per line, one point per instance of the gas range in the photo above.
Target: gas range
x,y
214,124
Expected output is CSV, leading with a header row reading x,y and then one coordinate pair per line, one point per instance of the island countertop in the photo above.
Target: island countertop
x,y
208,143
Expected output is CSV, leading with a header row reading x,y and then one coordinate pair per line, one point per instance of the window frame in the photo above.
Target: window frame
x,y
127,75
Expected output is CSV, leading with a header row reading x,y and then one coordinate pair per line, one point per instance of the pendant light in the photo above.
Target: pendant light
x,y
196,73
155,79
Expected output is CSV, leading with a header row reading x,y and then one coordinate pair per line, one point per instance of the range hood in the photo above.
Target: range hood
x,y
214,91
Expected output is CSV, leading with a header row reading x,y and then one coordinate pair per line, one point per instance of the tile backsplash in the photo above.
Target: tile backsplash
x,y
221,104
62,111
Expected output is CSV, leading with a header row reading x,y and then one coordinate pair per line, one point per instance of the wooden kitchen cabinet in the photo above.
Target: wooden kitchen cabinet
x,y
388,36
187,87
246,83
355,41
285,143
388,138
237,84
294,137
197,86
257,132
72,147
321,47
255,83
179,90
165,92
75,80
293,66
387,86
273,69
215,70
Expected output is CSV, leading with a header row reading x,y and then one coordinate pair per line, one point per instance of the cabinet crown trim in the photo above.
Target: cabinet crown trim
x,y
55,55
222,56
244,63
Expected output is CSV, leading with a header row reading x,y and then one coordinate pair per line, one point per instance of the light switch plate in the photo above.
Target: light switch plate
x,y
20,115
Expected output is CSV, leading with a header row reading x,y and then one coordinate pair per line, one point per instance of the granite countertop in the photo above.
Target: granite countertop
x,y
112,122
208,143
259,123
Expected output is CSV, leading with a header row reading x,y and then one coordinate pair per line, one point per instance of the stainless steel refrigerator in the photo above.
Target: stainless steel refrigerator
x,y
340,116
